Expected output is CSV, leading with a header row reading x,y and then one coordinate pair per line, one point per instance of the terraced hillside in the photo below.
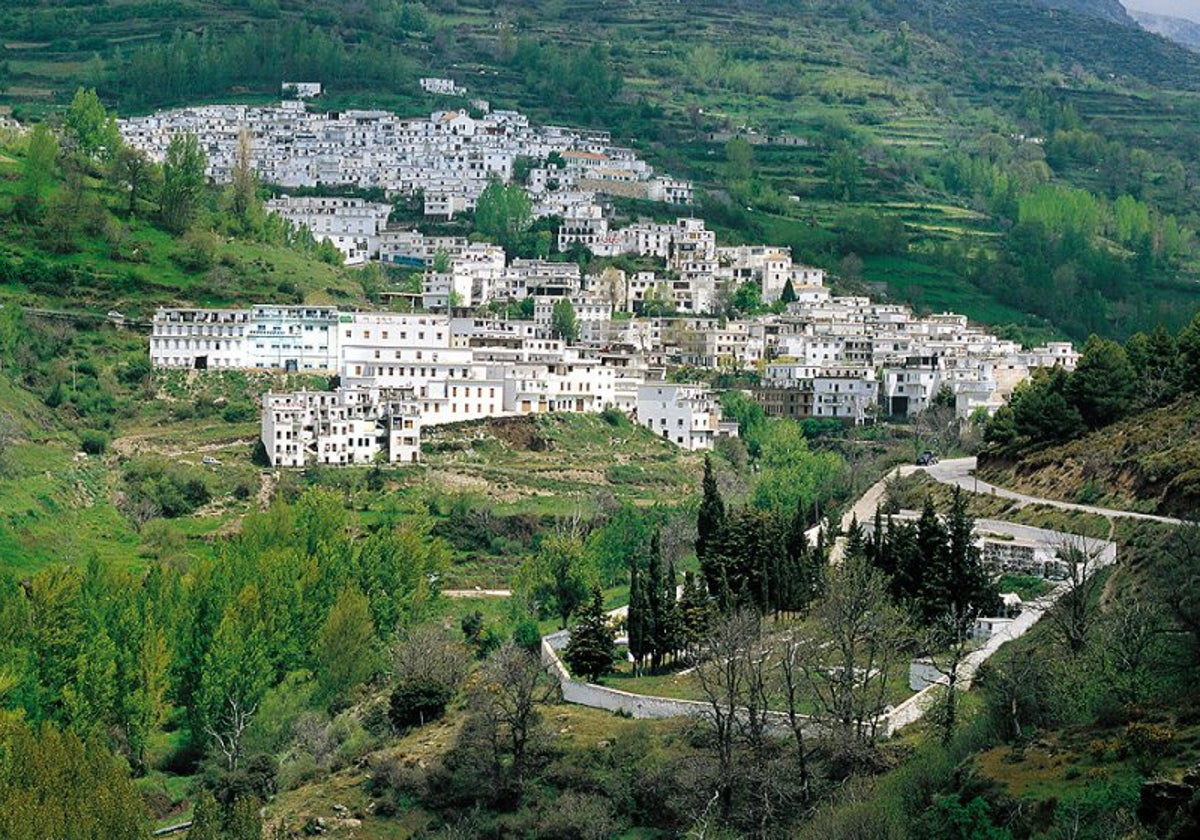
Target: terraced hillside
x,y
927,121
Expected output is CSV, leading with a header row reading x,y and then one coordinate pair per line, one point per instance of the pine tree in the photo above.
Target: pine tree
x,y
590,651
710,525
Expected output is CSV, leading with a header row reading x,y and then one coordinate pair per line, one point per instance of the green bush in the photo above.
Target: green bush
x,y
173,489
239,413
93,442
527,635
417,702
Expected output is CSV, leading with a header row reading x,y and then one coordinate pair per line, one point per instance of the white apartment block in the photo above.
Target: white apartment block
x,y
200,339
292,338
687,415
301,90
352,225
592,316
443,87
342,427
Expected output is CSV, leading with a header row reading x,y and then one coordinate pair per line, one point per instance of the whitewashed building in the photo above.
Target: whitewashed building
x,y
351,225
687,415
343,427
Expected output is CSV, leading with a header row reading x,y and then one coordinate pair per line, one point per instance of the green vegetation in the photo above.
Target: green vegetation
x,y
1072,430
231,638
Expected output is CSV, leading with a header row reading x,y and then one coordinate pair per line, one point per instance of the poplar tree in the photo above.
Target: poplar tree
x,y
344,653
183,182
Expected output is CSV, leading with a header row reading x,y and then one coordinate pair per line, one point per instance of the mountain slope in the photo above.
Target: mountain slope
x,y
1109,10
1149,463
1180,30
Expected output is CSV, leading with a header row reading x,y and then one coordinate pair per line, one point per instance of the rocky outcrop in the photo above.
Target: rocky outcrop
x,y
1172,809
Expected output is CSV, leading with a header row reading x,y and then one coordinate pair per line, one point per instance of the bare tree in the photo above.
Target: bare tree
x,y
947,644
738,677
229,729
506,712
1074,615
429,654
797,647
860,633
723,679
1133,632
1012,683
10,433
1175,578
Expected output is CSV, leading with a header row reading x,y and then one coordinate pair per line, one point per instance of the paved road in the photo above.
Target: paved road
x,y
959,471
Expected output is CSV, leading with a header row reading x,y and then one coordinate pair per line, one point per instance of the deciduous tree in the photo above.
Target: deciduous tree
x,y
344,655
183,182
91,127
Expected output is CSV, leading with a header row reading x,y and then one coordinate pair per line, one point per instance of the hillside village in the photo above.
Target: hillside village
x,y
611,341
469,474
446,158
826,357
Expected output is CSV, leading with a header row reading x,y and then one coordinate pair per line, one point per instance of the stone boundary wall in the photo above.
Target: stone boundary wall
x,y
639,706
645,706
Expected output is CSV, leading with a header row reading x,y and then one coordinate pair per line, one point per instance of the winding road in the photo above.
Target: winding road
x,y
960,472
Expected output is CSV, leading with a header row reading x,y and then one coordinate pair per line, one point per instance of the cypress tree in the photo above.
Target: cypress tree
x,y
969,587
636,619
710,525
655,608
856,543
672,624
789,292
904,557
695,612
932,593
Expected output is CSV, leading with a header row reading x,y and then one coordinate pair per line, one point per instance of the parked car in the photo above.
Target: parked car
x,y
927,458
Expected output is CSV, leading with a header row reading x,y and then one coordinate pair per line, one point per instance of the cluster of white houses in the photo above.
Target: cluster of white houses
x,y
447,157
825,357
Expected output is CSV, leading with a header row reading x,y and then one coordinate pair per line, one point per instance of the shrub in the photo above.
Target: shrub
x,y
613,417
527,635
239,413
417,702
93,442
